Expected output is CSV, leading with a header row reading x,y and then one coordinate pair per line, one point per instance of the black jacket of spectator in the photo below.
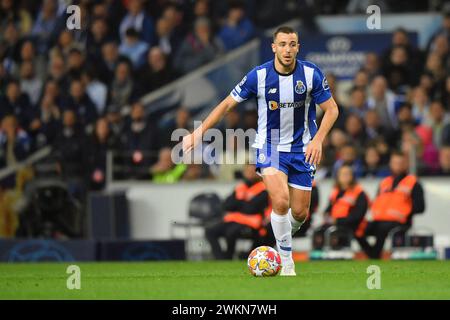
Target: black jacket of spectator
x,y
21,108
70,151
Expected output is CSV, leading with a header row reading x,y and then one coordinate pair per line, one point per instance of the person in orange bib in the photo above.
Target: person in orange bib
x,y
247,212
347,206
399,197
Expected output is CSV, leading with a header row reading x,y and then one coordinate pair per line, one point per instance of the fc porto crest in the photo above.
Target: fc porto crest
x,y
300,88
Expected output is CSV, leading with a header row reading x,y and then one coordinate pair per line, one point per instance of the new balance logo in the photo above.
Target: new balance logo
x,y
272,90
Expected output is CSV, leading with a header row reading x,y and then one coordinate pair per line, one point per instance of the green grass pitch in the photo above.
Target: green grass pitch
x,y
226,280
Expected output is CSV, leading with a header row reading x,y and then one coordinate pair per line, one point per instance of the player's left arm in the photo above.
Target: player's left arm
x,y
313,152
322,96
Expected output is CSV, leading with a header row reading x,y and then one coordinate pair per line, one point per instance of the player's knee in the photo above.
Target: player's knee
x,y
280,204
300,214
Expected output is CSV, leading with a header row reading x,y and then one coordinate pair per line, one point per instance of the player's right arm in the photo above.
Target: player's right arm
x,y
191,140
246,89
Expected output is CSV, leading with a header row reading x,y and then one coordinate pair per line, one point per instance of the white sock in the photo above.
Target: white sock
x,y
296,225
281,227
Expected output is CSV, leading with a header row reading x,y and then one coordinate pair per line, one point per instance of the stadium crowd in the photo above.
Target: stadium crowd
x,y
78,90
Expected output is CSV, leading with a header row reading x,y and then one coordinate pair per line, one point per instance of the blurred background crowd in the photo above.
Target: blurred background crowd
x,y
79,91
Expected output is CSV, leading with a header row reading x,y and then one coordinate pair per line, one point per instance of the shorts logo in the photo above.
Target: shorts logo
x,y
261,158
273,105
300,88
325,84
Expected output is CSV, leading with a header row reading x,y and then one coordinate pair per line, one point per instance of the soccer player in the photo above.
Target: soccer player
x,y
288,143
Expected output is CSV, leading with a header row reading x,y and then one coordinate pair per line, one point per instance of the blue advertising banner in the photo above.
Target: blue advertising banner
x,y
340,54
40,250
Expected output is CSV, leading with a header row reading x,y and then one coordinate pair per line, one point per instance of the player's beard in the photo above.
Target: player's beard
x,y
287,66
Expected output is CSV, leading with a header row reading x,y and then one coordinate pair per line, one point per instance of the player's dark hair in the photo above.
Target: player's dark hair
x,y
284,29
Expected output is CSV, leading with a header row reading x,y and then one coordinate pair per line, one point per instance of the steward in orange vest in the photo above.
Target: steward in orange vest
x,y
247,213
399,197
394,202
242,199
348,208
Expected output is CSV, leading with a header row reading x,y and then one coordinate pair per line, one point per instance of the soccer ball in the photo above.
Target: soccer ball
x,y
264,261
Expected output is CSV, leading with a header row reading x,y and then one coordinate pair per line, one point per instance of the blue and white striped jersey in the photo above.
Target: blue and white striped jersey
x,y
286,104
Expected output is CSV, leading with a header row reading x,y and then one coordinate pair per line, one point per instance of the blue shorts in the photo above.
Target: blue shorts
x,y
300,174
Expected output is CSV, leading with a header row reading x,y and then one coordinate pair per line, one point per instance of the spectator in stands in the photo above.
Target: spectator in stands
x,y
383,101
69,146
45,28
28,54
15,144
139,20
57,72
65,43
246,210
141,139
437,120
434,64
358,103
443,30
70,152
46,125
164,170
30,83
116,122
10,46
96,90
168,40
98,35
238,29
336,140
361,80
348,155
17,103
81,104
133,48
354,127
122,89
372,163
11,11
198,48
109,62
175,16
384,150
98,145
156,72
420,105
75,63
400,37
444,161
373,126
371,65
346,208
397,70
399,197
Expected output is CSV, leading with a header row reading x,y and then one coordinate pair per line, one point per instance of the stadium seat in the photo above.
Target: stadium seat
x,y
203,208
49,210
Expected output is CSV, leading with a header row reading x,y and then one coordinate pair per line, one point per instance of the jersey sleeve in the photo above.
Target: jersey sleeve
x,y
247,88
321,89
